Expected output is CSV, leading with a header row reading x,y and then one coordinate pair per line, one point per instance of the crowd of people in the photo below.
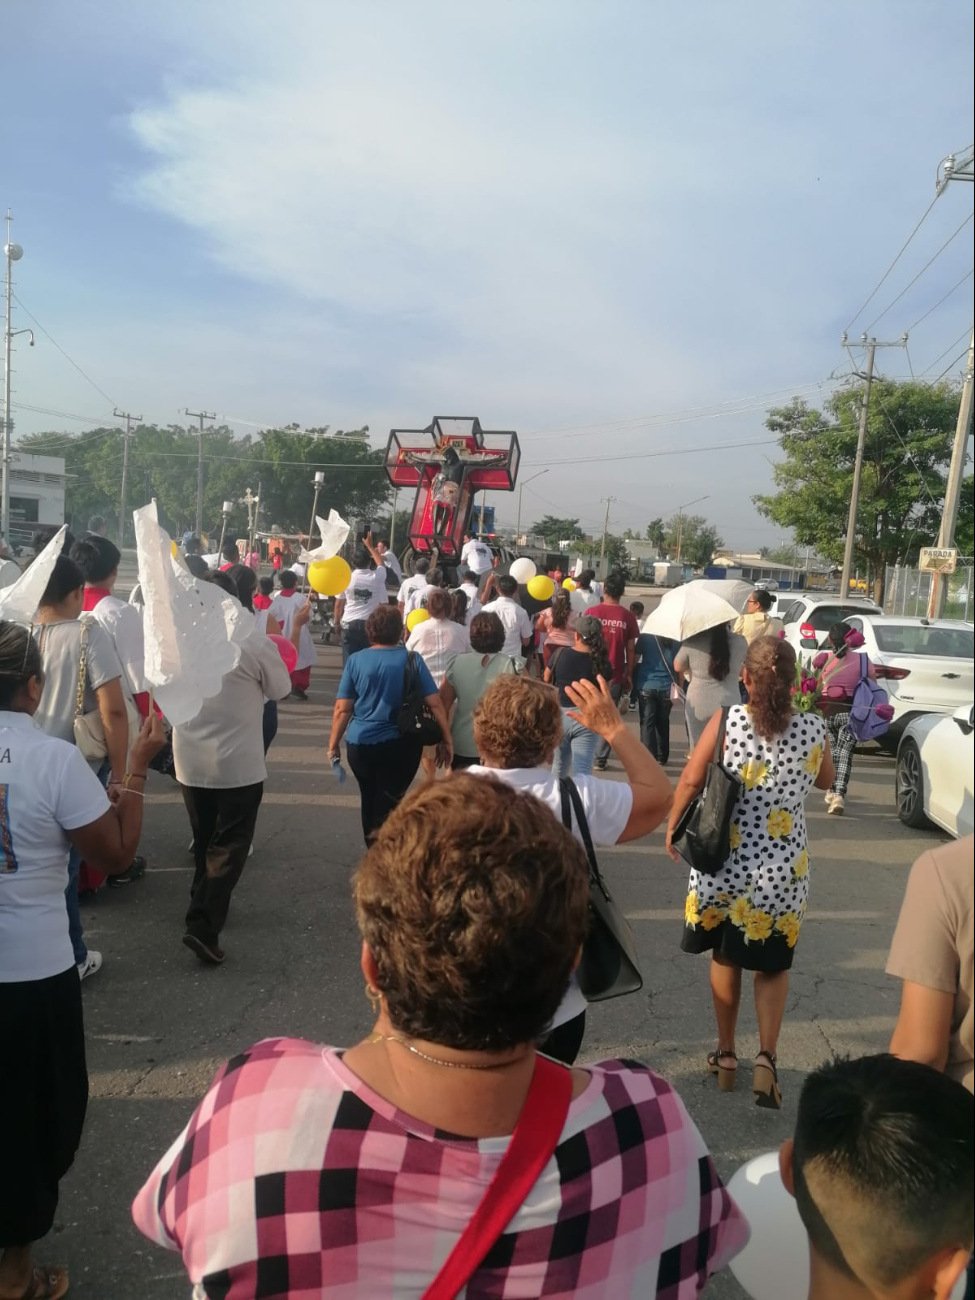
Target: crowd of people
x,y
361,1169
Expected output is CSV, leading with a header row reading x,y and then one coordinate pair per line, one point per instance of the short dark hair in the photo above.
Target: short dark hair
x,y
362,559
762,598
197,565
222,580
507,585
439,603
636,607
230,552
421,565
615,585
65,578
474,903
266,585
883,1165
384,626
436,577
585,578
95,524
20,660
469,576
289,580
96,557
193,545
487,633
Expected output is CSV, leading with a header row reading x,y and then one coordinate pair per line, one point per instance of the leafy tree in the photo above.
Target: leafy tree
x,y
655,532
910,428
617,554
965,527
355,482
698,539
554,530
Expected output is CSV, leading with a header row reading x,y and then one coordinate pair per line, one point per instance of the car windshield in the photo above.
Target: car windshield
x,y
916,639
822,617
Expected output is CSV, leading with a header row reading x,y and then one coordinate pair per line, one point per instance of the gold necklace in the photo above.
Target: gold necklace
x,y
436,1060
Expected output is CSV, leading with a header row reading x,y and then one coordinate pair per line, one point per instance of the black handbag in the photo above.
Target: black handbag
x,y
415,719
608,968
702,835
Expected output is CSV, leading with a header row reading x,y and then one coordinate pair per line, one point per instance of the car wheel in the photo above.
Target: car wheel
x,y
910,787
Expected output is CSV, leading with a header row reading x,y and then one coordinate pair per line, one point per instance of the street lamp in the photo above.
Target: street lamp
x,y
520,490
226,511
680,521
318,482
12,253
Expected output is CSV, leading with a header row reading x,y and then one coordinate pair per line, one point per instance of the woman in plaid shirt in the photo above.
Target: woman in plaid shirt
x,y
310,1171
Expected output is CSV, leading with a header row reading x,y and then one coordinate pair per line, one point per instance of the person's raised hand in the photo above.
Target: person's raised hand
x,y
595,707
148,743
302,614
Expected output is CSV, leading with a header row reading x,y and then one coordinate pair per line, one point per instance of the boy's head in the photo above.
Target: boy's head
x,y
422,565
881,1169
229,553
614,586
267,586
507,585
636,608
289,580
470,577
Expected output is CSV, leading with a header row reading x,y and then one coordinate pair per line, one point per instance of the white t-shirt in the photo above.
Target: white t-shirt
x,y
580,600
366,591
517,624
123,623
607,805
223,746
473,603
477,556
46,789
417,598
439,641
408,586
283,609
393,565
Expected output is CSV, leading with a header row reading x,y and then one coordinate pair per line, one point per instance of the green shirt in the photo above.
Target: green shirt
x,y
470,677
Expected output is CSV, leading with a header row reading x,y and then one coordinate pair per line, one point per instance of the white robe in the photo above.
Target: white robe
x,y
283,609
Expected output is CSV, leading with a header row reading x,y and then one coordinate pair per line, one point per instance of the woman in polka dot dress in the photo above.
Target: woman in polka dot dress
x,y
749,914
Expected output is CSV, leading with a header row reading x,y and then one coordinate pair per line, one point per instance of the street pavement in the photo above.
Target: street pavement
x,y
158,1023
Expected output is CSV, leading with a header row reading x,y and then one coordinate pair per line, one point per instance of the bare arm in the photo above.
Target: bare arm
x,y
301,620
827,771
339,610
272,626
691,781
447,695
629,660
110,843
115,722
652,795
923,1029
368,543
341,717
445,750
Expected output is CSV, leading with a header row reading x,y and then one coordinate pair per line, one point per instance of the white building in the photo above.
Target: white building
x,y
36,493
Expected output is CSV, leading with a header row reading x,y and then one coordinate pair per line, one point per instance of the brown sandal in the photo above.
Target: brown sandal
x,y
47,1282
726,1075
765,1082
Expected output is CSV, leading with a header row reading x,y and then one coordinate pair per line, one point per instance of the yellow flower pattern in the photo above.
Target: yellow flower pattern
x,y
779,823
758,899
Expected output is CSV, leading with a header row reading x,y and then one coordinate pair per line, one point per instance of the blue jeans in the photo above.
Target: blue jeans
x,y
354,638
575,754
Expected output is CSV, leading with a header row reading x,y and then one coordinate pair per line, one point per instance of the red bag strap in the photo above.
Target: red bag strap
x,y
531,1147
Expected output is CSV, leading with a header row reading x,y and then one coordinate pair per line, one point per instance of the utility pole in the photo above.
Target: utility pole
x,y
392,520
956,472
680,522
521,488
128,418
202,416
12,253
602,545
851,527
318,483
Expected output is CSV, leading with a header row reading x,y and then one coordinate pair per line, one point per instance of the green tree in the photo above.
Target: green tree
x,y
554,530
617,554
655,532
910,428
698,539
355,481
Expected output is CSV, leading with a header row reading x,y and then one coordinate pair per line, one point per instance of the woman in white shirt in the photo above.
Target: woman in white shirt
x,y
219,758
52,804
438,639
366,591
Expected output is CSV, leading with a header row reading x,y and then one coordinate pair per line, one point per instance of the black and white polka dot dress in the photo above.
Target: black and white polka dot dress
x,y
751,911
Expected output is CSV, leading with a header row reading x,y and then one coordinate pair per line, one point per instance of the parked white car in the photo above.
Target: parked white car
x,y
925,665
935,777
808,616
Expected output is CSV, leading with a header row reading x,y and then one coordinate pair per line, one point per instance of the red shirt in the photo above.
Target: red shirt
x,y
619,626
93,596
262,602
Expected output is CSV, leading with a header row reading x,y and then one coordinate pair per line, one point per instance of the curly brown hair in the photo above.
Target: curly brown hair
x,y
384,626
517,722
561,608
487,633
474,903
771,666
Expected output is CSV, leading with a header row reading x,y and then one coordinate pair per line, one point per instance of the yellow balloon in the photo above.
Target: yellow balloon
x,y
173,550
415,617
329,577
569,585
541,587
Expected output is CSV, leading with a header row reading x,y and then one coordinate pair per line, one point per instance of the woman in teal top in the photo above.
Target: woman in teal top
x,y
366,713
467,678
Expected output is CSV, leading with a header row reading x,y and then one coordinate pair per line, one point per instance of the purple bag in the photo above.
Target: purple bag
x,y
870,710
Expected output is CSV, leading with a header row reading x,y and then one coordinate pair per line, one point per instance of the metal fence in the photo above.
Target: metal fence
x,y
906,591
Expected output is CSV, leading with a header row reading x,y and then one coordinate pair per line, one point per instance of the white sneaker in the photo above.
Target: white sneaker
x,y
836,807
828,798
91,964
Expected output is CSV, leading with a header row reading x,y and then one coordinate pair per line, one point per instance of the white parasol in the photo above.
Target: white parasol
x,y
734,590
19,601
687,610
334,531
193,630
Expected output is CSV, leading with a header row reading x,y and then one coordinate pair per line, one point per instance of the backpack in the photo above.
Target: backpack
x,y
865,722
415,719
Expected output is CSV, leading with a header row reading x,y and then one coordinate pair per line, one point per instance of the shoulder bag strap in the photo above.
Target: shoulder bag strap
x,y
719,740
554,657
532,1146
79,702
864,668
570,790
670,671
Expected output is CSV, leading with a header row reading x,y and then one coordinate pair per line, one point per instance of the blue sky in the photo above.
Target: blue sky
x,y
569,218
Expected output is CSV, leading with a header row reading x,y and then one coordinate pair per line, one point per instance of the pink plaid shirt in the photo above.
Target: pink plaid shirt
x,y
293,1179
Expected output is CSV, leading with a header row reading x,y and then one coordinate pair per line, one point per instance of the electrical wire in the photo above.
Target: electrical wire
x,y
929,262
950,348
72,362
942,299
949,367
903,250
907,451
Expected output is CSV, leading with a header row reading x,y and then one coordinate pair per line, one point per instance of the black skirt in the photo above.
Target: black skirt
x,y
43,1098
773,954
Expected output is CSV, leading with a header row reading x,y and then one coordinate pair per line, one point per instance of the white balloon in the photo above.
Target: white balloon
x,y
523,570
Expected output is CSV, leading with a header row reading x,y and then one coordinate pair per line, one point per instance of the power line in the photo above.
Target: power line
x,y
928,263
903,250
72,362
907,450
950,348
941,300
949,367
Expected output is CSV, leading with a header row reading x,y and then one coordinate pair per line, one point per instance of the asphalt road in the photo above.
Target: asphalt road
x,y
158,1023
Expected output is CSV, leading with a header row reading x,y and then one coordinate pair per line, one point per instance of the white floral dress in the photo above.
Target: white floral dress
x,y
751,911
